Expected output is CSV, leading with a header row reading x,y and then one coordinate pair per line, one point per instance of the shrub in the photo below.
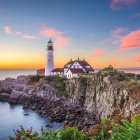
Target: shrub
x,y
34,78
66,134
129,130
55,78
73,134
136,120
106,130
120,130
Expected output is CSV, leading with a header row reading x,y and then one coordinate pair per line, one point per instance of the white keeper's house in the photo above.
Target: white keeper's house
x,y
74,68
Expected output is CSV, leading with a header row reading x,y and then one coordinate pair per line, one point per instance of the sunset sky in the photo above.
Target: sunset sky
x,y
103,32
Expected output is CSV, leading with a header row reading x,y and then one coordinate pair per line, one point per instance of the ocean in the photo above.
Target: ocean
x,y
13,73
135,71
12,116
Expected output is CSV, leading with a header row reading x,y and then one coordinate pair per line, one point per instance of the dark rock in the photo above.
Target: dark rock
x,y
26,114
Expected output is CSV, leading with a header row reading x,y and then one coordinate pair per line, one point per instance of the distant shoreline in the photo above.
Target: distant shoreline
x,y
13,73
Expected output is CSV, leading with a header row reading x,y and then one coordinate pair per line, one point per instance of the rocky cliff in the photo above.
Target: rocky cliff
x,y
97,96
104,96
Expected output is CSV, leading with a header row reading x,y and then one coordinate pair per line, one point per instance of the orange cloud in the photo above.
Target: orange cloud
x,y
50,32
121,4
98,52
62,42
29,36
130,41
137,57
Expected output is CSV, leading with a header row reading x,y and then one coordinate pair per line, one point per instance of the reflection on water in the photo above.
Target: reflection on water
x,y
13,116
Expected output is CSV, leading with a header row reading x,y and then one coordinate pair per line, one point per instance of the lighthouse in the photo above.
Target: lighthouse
x,y
50,62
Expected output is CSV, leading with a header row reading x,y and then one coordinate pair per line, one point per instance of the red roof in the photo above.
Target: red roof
x,y
69,63
41,70
58,70
83,63
76,70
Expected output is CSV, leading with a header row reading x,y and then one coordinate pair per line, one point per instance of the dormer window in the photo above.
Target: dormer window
x,y
67,66
88,67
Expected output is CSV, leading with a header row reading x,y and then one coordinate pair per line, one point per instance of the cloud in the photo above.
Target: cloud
x,y
115,37
118,31
62,42
136,15
124,38
98,52
29,36
130,41
50,32
17,33
137,57
122,4
60,39
9,31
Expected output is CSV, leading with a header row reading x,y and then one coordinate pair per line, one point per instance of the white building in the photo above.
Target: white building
x,y
76,68
49,62
58,71
74,72
71,69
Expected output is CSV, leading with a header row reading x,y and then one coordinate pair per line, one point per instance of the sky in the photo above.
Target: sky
x,y
103,32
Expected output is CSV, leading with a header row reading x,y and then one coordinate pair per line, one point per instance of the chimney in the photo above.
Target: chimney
x,y
70,59
84,59
78,59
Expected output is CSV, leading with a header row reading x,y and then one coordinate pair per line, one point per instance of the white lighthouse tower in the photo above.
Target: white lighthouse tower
x,y
50,62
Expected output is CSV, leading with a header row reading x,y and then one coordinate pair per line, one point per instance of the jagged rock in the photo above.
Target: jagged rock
x,y
87,101
4,96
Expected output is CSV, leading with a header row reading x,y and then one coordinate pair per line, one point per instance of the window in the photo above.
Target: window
x,y
88,66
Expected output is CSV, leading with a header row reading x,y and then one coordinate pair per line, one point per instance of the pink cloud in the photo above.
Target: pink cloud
x,y
121,4
137,57
29,36
50,32
115,38
17,33
7,29
62,42
118,31
136,15
98,52
130,41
